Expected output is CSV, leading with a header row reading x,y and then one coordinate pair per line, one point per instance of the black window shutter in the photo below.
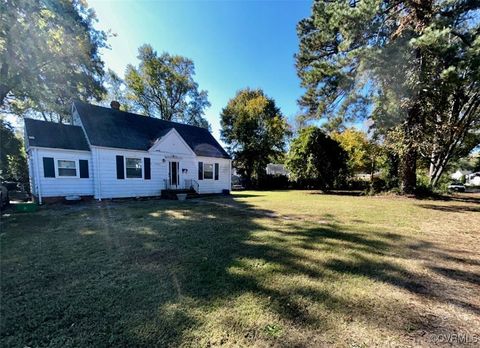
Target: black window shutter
x,y
216,171
146,168
120,168
200,170
83,169
48,167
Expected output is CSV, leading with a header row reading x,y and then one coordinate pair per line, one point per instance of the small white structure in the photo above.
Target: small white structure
x,y
459,174
107,153
276,169
472,179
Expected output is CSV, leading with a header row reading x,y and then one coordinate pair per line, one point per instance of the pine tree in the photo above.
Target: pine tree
x,y
373,58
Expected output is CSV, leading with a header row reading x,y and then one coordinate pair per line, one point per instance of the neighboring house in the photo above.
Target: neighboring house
x,y
107,153
366,176
459,174
472,179
276,169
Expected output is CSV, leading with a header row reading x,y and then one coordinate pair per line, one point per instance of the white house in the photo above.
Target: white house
x,y
460,174
276,169
107,153
472,179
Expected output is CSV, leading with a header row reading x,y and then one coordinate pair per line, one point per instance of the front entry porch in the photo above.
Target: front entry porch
x,y
188,186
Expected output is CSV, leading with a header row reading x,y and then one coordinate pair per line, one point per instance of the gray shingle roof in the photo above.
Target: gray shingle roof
x,y
55,135
113,128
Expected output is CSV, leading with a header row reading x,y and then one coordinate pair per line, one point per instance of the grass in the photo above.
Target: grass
x,y
287,268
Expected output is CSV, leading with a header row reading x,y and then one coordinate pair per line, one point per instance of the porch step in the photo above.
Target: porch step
x,y
172,194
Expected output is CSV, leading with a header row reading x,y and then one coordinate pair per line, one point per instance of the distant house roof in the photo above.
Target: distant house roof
x,y
113,128
55,135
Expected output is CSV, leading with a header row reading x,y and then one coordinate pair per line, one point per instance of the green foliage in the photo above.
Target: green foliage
x,y
116,90
363,154
273,330
411,66
163,86
13,163
317,160
254,130
476,166
49,56
389,170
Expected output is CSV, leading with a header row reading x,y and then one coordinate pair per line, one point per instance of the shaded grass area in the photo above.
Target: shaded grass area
x,y
286,268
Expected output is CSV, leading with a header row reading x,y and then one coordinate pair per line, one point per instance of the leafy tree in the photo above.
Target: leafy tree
x,y
363,154
452,105
49,55
13,163
116,90
254,130
464,163
163,86
316,159
384,59
476,165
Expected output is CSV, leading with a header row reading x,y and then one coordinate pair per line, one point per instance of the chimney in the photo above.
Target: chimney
x,y
115,105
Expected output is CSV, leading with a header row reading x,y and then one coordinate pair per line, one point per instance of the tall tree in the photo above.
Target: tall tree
x,y
13,163
317,160
116,90
452,107
371,59
254,130
49,55
163,86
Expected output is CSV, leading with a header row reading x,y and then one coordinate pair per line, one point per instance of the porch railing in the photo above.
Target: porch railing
x,y
188,184
191,184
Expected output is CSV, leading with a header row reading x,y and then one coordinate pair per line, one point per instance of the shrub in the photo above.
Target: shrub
x,y
273,182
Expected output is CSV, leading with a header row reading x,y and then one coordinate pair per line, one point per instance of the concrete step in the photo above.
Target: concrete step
x,y
172,194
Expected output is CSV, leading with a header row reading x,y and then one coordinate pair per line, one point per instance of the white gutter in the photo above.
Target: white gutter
x,y
96,175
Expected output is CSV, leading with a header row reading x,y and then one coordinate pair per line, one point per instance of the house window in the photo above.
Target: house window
x,y
208,171
67,168
200,170
134,167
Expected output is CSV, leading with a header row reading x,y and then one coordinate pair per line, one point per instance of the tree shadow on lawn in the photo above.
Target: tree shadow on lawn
x,y
158,273
451,208
453,197
353,193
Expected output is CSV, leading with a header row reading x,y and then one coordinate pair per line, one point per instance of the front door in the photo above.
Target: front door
x,y
173,174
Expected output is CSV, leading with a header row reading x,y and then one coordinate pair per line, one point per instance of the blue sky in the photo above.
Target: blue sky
x,y
234,44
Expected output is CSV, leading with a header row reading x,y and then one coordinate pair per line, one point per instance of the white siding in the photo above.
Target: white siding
x,y
172,143
224,177
63,186
111,187
103,182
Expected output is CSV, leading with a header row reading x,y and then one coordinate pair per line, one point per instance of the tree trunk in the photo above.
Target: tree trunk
x,y
3,94
408,171
408,168
248,174
4,88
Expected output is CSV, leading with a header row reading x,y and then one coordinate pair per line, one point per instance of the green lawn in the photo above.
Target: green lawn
x,y
288,268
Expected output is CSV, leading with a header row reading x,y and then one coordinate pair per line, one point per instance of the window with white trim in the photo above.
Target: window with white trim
x,y
133,168
208,171
67,168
